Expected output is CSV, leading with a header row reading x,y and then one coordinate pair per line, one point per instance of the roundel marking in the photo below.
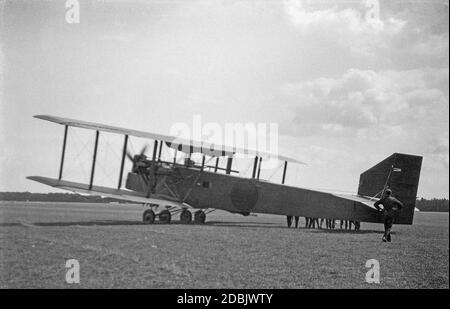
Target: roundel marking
x,y
244,195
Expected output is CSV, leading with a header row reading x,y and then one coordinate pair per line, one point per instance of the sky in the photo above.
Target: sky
x,y
348,82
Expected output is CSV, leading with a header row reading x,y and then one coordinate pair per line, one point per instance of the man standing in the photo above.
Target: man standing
x,y
289,221
296,221
391,206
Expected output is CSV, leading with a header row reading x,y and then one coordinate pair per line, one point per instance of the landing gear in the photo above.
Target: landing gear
x,y
165,216
185,216
148,217
199,217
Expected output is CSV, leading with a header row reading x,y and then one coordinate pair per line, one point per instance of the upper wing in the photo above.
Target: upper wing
x,y
171,141
103,191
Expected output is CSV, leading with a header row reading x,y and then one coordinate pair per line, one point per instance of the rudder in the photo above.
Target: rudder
x,y
400,173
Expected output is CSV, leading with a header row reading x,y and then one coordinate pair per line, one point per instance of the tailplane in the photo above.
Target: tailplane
x,y
400,173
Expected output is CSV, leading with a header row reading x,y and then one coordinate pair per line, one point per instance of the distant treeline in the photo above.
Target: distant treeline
x,y
55,197
432,205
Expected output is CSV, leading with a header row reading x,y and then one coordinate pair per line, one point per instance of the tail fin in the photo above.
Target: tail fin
x,y
400,173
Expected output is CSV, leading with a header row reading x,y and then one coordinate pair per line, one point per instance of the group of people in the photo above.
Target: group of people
x,y
312,223
390,210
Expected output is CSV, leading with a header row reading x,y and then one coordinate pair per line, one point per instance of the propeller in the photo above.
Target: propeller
x,y
138,157
138,164
148,170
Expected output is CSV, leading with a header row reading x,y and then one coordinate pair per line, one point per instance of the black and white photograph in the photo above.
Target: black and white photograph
x,y
224,150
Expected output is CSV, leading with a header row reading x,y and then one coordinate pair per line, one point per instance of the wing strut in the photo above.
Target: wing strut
x,y
122,163
255,164
66,127
97,133
160,150
284,172
217,165
259,167
229,164
155,148
203,162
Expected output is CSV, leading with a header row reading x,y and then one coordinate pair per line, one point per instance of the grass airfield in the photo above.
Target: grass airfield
x,y
230,251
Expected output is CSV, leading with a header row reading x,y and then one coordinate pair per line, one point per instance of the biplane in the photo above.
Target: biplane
x,y
191,190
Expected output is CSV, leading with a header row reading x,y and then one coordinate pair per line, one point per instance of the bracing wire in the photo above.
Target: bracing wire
x,y
75,141
276,171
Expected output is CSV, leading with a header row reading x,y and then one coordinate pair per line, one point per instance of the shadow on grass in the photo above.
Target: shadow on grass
x,y
124,223
244,224
279,226
270,225
73,223
325,231
132,222
90,223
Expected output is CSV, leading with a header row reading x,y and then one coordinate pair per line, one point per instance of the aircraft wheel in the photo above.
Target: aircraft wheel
x,y
165,216
199,217
186,216
148,217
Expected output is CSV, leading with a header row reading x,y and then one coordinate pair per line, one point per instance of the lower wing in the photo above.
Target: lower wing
x,y
125,195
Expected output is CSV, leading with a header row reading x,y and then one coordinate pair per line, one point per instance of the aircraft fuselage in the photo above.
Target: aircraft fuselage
x,y
204,189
